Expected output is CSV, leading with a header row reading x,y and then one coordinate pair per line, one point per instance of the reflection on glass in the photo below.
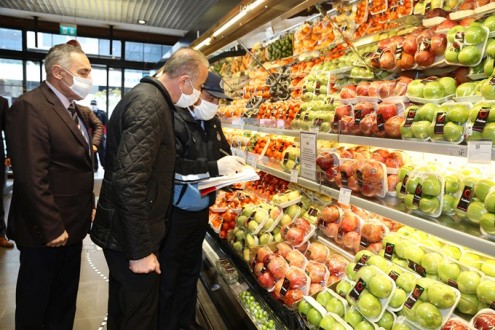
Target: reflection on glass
x,y
132,78
35,74
10,39
11,73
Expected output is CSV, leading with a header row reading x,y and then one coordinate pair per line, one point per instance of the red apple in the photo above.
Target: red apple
x,y
362,88
392,126
317,252
316,271
387,60
404,61
296,258
349,222
438,44
282,249
296,277
424,58
387,110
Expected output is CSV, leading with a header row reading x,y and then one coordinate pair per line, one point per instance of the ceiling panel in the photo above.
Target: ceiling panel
x,y
170,16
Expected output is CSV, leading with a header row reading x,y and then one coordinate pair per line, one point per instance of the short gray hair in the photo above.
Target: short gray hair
x,y
60,55
185,61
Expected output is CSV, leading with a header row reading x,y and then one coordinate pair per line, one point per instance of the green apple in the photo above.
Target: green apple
x,y
448,204
489,202
487,223
353,317
486,291
452,183
449,271
406,281
452,251
410,313
453,31
386,321
327,323
380,286
428,316
468,281
379,262
429,205
350,272
489,22
475,35
482,188
323,297
369,305
314,317
366,273
465,89
457,113
488,66
489,132
431,261
415,88
364,325
452,55
468,304
488,267
434,90
474,211
453,132
470,259
432,186
303,307
343,288
449,84
419,129
470,55
487,90
442,296
401,326
414,253
398,298
335,306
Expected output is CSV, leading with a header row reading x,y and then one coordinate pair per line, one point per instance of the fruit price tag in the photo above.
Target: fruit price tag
x,y
294,174
479,151
345,196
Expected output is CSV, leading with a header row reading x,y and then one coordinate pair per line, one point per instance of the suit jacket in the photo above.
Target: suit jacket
x,y
53,172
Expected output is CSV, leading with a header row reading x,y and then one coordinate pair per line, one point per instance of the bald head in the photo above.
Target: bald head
x,y
185,67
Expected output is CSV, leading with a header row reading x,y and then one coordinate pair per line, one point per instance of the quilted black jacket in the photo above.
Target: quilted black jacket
x,y
137,186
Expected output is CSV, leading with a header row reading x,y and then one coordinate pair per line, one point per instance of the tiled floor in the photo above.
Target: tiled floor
x,y
93,288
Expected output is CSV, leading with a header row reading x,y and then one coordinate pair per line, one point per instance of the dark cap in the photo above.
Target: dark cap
x,y
214,86
93,102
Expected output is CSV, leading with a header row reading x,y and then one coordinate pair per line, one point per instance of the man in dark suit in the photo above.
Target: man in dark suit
x,y
4,242
52,200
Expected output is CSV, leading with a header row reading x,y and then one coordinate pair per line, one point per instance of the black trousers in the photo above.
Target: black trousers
x,y
181,259
132,298
47,286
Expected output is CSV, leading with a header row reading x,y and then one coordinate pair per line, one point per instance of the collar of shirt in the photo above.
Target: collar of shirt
x,y
191,111
65,101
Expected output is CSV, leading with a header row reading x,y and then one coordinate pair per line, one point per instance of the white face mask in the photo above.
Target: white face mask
x,y
81,86
205,110
188,100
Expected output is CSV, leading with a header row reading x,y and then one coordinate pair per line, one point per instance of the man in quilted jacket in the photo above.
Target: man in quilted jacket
x,y
136,191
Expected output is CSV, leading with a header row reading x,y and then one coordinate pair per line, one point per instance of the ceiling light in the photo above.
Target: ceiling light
x,y
236,18
141,21
205,42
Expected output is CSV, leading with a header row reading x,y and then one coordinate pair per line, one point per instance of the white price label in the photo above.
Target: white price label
x,y
345,196
294,174
479,151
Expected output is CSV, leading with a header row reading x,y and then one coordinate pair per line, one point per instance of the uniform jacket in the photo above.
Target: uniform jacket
x,y
53,171
198,148
139,171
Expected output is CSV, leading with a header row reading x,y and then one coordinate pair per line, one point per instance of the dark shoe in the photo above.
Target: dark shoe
x,y
4,242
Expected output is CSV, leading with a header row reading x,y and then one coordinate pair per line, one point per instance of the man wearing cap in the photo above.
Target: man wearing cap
x,y
200,147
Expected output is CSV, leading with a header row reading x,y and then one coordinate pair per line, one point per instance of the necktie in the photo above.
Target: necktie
x,y
73,113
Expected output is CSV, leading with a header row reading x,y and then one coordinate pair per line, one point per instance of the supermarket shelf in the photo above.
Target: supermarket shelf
x,y
446,227
408,145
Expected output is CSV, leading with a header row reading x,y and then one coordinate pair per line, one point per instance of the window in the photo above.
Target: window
x,y
151,53
10,39
11,72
